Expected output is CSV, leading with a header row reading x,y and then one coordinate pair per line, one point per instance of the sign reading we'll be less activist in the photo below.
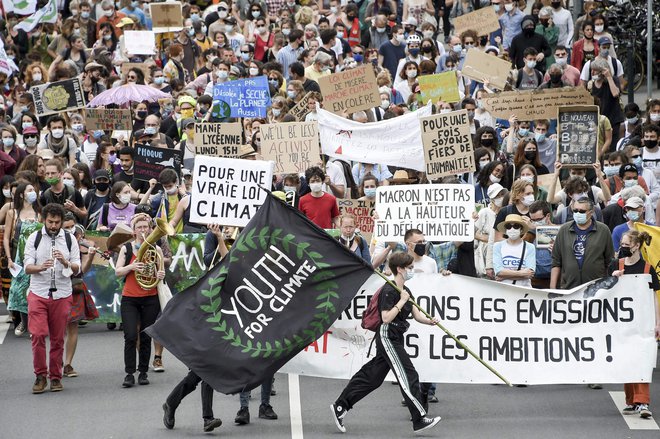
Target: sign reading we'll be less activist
x,y
447,144
293,146
241,98
443,212
228,191
350,91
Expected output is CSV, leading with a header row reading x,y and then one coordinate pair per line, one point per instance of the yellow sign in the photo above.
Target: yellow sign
x,y
439,87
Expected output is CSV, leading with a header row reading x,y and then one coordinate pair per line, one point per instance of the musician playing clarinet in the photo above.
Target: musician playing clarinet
x,y
52,256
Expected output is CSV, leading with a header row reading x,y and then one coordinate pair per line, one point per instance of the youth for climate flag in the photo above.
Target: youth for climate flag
x,y
47,14
278,290
394,142
19,7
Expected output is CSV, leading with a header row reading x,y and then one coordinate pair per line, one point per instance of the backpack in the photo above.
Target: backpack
x,y
102,213
70,194
350,182
67,238
622,266
539,77
371,318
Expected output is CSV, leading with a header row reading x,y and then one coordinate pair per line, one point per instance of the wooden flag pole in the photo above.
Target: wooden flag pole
x,y
446,331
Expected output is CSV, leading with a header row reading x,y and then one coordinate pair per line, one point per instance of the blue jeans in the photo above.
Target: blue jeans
x,y
266,386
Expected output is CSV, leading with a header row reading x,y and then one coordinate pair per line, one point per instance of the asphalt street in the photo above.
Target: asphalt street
x,y
94,405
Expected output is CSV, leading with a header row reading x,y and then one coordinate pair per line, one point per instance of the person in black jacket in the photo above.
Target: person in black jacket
x,y
528,38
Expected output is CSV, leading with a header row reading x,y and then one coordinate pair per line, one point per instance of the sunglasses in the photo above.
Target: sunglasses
x,y
358,53
636,156
513,226
580,211
30,136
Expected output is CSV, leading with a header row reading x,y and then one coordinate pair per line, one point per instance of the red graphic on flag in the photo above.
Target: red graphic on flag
x,y
338,151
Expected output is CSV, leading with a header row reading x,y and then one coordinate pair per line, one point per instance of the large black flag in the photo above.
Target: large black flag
x,y
282,285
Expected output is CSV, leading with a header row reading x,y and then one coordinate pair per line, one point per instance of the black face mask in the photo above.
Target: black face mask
x,y
624,252
420,249
102,186
650,143
556,4
530,155
555,77
487,142
427,49
528,31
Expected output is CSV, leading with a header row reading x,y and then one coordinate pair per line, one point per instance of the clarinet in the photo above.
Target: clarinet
x,y
53,287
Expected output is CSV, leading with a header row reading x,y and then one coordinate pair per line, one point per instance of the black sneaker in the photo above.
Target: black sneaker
x,y
129,380
143,379
338,413
243,416
266,412
211,424
433,399
168,416
425,423
644,411
273,392
111,326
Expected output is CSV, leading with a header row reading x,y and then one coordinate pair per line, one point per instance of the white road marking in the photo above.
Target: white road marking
x,y
634,421
4,327
294,406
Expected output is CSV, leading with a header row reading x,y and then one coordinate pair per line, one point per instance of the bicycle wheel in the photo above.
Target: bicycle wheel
x,y
639,70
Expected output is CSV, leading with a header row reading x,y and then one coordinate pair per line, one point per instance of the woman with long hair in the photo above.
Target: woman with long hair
x,y
105,158
491,173
527,153
37,165
21,222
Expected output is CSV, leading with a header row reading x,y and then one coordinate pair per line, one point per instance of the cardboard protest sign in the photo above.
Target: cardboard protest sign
x,y
363,211
125,67
447,144
300,110
545,181
56,97
108,119
439,87
149,161
479,65
483,21
228,191
293,146
241,98
577,135
166,17
443,212
140,42
530,105
350,91
218,139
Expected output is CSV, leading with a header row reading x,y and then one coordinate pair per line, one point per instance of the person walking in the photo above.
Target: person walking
x,y
184,388
52,256
395,308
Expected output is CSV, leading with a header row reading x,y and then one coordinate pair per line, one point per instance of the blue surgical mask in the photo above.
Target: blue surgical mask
x,y
629,183
370,192
194,16
150,131
359,58
273,82
580,218
637,161
457,48
98,134
539,137
409,274
413,52
523,132
84,15
159,81
611,170
632,215
632,120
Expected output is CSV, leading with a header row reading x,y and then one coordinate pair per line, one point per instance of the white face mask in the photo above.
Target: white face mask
x,y
6,193
600,28
655,117
124,198
528,179
36,76
172,191
513,233
316,187
401,38
411,73
528,200
58,133
68,182
498,201
494,179
30,142
385,104
254,71
509,7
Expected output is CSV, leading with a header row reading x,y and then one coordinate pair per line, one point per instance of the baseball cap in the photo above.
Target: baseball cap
x,y
634,202
124,21
101,173
604,40
627,168
187,122
494,189
30,130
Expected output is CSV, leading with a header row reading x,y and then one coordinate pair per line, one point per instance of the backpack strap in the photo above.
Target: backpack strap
x,y
104,213
519,78
647,268
37,239
522,259
67,238
622,265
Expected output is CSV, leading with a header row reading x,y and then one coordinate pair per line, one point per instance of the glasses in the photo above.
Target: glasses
x,y
132,77
513,226
580,210
636,156
469,42
358,53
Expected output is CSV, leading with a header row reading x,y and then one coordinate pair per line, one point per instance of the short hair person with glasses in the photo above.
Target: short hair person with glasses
x,y
583,248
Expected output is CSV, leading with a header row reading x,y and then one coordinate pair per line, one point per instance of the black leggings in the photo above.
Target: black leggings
x,y
185,387
138,312
390,355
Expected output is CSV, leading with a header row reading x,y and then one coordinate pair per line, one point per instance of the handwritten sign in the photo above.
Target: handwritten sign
x,y
56,97
479,65
363,211
439,87
447,144
443,212
150,161
166,17
350,91
483,21
218,139
244,97
300,110
577,140
530,105
228,191
294,146
108,119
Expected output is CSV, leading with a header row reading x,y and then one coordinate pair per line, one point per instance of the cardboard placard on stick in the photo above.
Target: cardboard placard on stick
x,y
441,86
218,139
479,65
350,91
293,146
483,21
577,135
300,110
108,119
125,67
363,211
56,97
149,161
530,105
166,17
447,144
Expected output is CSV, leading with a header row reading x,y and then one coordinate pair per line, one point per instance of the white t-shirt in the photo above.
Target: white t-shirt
x,y
334,171
509,258
425,265
651,160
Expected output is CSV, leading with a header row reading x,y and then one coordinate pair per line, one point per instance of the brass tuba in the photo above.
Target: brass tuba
x,y
147,254
231,238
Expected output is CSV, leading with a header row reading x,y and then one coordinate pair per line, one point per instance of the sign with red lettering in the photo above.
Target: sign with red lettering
x,y
350,91
363,211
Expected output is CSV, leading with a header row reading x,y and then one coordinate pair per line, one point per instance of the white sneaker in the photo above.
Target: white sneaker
x,y
644,411
20,329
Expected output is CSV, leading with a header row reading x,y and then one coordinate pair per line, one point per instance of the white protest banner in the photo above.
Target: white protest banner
x,y
395,142
447,144
218,139
228,191
363,211
601,333
140,42
443,212
293,146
